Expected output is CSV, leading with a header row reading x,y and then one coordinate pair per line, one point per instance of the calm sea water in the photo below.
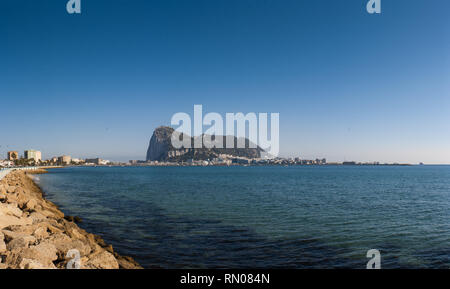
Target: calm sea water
x,y
263,217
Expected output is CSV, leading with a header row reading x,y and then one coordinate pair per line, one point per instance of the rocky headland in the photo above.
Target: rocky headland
x,y
160,148
35,234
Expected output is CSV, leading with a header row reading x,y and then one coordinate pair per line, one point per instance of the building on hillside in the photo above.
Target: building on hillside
x,y
13,155
33,155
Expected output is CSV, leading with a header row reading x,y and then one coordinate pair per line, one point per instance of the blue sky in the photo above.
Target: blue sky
x,y
348,85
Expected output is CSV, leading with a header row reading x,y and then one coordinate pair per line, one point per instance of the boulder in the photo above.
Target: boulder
x,y
37,217
31,264
3,191
126,262
74,231
19,190
22,242
43,254
74,219
64,243
101,260
31,204
52,213
41,233
19,199
6,221
46,251
10,189
11,209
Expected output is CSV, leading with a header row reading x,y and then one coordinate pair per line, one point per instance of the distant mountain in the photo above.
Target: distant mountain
x,y
161,149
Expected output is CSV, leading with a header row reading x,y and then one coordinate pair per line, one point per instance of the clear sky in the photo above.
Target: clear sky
x,y
348,85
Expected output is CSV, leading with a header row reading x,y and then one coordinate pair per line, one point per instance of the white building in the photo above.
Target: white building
x,y
33,155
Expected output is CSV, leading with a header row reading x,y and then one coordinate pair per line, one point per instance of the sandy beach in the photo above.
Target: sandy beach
x,y
35,234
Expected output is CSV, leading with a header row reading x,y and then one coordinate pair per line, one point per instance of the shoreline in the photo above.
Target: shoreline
x,y
35,234
168,164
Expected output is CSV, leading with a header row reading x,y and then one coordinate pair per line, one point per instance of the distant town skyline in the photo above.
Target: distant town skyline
x,y
349,86
65,158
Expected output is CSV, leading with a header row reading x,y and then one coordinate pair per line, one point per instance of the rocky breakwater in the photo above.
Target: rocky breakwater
x,y
35,235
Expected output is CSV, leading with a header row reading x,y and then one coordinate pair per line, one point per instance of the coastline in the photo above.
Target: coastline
x,y
35,234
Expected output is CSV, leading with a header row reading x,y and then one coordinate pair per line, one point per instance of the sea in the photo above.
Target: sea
x,y
262,216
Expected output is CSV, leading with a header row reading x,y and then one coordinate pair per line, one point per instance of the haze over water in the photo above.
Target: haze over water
x,y
263,217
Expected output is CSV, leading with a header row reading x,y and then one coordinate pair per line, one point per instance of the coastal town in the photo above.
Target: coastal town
x,y
31,158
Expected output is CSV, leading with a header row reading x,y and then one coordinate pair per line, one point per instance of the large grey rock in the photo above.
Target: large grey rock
x,y
161,149
160,143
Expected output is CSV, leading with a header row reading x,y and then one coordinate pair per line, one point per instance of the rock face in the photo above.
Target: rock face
x,y
35,235
160,144
161,149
